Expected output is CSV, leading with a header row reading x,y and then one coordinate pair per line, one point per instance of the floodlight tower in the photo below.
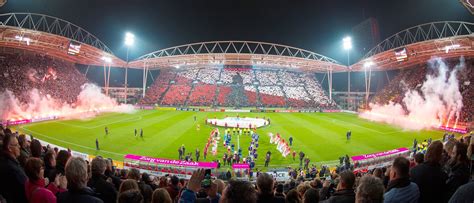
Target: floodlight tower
x,y
347,45
367,65
129,41
107,61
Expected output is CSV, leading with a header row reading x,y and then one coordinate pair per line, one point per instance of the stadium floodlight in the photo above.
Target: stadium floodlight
x,y
347,43
368,64
449,47
129,39
106,59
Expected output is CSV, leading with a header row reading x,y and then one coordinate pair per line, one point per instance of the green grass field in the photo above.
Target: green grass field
x,y
322,136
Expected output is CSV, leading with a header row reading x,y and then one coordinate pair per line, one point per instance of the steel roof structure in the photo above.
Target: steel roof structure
x,y
446,39
51,35
238,53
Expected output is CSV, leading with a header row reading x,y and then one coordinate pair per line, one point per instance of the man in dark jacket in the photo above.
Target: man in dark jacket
x,y
458,169
265,186
173,187
98,182
344,192
400,189
463,194
429,176
78,192
110,173
12,176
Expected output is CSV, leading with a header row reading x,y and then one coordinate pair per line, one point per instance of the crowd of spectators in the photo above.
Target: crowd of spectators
x,y
263,88
226,76
31,172
176,95
412,79
202,95
158,88
57,79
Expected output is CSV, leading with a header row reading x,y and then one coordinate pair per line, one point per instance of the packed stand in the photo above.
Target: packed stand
x,y
158,88
24,72
202,95
262,88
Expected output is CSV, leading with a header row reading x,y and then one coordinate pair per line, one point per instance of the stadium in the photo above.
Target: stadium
x,y
234,110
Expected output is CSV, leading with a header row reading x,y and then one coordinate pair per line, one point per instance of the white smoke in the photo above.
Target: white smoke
x,y
89,103
439,103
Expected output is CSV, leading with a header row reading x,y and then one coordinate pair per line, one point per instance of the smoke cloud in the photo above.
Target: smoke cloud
x,y
90,102
439,101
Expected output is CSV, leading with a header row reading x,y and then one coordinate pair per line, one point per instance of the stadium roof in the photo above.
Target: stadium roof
x,y
52,36
238,53
446,39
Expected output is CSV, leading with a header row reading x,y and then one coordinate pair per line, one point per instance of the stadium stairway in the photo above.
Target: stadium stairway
x,y
214,100
186,103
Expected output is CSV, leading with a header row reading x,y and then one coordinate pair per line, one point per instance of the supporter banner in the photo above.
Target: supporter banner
x,y
212,110
161,174
331,111
379,154
166,108
171,162
456,130
286,111
238,110
308,111
144,107
280,175
18,122
240,166
347,111
44,119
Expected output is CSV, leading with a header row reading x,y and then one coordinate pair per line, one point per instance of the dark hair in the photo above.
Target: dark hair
x,y
133,173
292,197
7,140
279,188
174,180
265,183
22,139
62,157
370,189
146,178
402,166
128,184
130,196
36,148
434,153
240,191
461,150
123,173
48,157
32,168
378,172
419,158
311,195
348,178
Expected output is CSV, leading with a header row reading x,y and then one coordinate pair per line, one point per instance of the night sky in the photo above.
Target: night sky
x,y
317,26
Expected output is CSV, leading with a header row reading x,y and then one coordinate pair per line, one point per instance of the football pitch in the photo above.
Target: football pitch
x,y
321,136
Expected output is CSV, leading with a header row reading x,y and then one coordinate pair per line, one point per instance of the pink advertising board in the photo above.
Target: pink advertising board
x,y
379,154
171,162
240,166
